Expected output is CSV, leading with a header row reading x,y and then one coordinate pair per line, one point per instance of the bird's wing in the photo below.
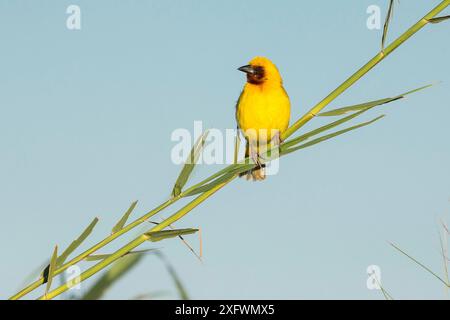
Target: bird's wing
x,y
236,112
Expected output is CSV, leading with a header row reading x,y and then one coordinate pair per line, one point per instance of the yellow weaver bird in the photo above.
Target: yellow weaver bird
x,y
262,111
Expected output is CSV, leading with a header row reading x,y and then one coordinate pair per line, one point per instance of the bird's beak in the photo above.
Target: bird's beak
x,y
247,69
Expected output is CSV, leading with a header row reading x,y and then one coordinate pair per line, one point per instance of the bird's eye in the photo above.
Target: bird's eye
x,y
259,72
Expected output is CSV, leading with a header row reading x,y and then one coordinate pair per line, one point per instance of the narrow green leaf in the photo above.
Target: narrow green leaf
x,y
444,255
420,264
329,136
189,164
51,269
150,295
117,271
314,132
386,294
239,168
182,293
445,227
97,257
124,218
212,180
76,243
370,104
208,186
438,19
386,23
155,236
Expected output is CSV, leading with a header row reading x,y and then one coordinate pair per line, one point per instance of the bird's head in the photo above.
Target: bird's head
x,y
261,70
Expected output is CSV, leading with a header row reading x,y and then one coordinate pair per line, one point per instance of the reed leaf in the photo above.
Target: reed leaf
x,y
225,177
98,257
121,267
51,270
212,178
182,293
444,251
155,236
329,136
420,264
370,104
314,132
121,223
386,23
76,243
150,295
189,165
438,19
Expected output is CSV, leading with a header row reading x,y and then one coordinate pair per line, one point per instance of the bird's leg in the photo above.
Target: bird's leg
x,y
253,152
257,173
275,144
276,139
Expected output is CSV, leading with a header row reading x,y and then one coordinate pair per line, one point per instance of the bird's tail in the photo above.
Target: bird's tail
x,y
256,174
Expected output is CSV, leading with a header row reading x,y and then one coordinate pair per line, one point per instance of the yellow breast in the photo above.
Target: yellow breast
x,y
263,109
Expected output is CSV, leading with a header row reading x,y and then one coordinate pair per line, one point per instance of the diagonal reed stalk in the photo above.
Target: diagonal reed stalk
x,y
220,179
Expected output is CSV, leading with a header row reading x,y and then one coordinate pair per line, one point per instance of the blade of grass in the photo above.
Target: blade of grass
x,y
438,19
76,243
155,236
117,271
386,23
189,165
213,184
386,294
443,241
121,223
200,240
182,293
445,227
150,295
326,127
51,270
419,264
329,136
370,104
98,257
182,240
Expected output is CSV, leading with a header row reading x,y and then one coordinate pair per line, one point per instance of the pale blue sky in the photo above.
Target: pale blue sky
x,y
86,119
